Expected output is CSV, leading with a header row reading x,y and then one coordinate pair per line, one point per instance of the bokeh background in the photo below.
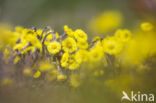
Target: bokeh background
x,y
76,14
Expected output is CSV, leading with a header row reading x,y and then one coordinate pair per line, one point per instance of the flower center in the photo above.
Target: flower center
x,y
111,46
53,46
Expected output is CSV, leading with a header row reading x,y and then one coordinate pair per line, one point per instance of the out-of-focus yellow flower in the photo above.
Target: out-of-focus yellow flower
x,y
82,55
6,81
97,38
52,75
75,80
27,71
19,29
34,41
82,44
64,60
146,26
6,54
61,77
98,72
141,47
106,22
69,45
30,48
73,62
112,46
37,74
54,47
96,54
68,31
19,46
45,66
123,35
16,60
80,35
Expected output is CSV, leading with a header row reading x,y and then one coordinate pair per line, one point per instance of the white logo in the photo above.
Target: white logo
x,y
137,97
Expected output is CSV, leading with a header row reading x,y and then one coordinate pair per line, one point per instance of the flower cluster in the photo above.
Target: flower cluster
x,y
67,57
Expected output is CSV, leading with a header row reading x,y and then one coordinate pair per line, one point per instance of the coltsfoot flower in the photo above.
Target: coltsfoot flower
x,y
111,45
37,74
54,47
75,80
123,35
146,26
61,77
64,60
80,35
82,44
68,31
69,45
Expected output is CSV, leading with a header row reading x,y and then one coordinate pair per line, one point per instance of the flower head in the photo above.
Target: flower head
x,y
54,47
68,31
146,26
123,35
80,35
64,60
69,45
111,45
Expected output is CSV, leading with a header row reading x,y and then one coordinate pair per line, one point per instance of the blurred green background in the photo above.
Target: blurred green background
x,y
56,13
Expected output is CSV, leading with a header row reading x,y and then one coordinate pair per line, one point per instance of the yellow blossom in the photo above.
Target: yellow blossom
x,y
80,35
54,47
61,77
27,71
75,80
45,66
69,45
64,60
146,26
68,31
123,35
82,55
37,74
112,46
82,44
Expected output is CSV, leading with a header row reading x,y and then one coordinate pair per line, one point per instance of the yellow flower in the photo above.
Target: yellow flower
x,y
19,29
146,26
69,45
80,35
82,55
97,38
73,62
54,47
34,41
61,77
52,75
112,46
68,31
75,80
6,81
123,35
30,48
82,44
96,54
73,65
37,74
45,66
19,46
6,54
106,22
64,60
16,60
27,71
